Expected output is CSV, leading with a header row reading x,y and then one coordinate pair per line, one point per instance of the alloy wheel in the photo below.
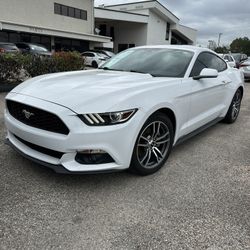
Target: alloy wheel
x,y
236,105
153,144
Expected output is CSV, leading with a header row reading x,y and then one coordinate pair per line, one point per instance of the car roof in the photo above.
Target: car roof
x,y
7,43
180,47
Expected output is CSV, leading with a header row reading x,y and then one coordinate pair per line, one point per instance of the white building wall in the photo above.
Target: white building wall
x,y
157,27
125,33
40,13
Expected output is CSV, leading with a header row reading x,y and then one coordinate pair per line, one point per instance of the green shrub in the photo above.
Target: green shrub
x,y
10,67
67,61
18,67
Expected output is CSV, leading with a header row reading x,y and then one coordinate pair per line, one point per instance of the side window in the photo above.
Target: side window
x,y
198,67
208,60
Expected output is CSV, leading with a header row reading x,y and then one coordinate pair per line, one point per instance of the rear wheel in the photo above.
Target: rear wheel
x,y
153,145
234,109
94,64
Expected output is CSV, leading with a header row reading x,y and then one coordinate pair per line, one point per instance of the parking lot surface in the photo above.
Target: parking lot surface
x,y
199,200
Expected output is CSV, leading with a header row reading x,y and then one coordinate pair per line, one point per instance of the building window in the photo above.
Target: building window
x,y
78,13
57,8
64,10
112,33
71,12
4,36
167,31
83,14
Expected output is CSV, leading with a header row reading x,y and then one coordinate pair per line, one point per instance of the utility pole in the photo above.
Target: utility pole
x,y
220,34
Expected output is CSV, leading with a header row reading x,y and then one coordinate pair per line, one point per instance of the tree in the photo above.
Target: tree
x,y
222,50
241,45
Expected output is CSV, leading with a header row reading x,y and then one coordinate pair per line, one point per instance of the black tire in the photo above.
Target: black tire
x,y
156,147
234,108
94,64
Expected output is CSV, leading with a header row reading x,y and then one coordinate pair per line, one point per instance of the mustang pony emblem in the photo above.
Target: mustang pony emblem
x,y
27,114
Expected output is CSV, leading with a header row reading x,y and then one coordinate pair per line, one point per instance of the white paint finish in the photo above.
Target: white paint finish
x,y
194,103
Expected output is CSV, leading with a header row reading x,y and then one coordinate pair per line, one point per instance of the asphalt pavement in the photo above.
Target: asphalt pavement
x,y
199,200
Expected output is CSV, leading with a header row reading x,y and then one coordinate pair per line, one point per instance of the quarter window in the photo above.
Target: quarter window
x,y
208,60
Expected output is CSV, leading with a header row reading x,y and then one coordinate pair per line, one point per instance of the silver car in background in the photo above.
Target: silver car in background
x,y
245,68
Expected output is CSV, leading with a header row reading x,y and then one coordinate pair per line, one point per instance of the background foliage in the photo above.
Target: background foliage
x,y
238,45
19,67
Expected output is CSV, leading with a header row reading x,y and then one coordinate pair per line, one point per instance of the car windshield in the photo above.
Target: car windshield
x,y
237,57
38,48
158,62
101,54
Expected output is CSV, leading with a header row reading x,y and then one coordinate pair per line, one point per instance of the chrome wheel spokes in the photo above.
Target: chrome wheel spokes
x,y
153,144
236,105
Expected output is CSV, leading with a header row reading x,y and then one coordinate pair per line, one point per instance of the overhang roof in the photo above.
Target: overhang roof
x,y
117,15
152,4
54,32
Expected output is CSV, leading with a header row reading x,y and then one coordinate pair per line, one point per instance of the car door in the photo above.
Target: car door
x,y
208,95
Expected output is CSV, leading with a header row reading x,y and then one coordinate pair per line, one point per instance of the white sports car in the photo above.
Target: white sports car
x,y
126,115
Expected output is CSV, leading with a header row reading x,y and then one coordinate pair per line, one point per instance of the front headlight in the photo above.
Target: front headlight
x,y
109,118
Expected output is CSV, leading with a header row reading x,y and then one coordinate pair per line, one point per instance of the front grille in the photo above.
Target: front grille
x,y
40,149
37,118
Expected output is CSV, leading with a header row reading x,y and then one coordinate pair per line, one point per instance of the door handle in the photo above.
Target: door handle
x,y
226,82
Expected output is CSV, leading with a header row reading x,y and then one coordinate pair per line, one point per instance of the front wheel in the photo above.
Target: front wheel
x,y
234,109
153,145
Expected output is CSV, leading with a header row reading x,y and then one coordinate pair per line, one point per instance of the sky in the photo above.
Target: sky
x,y
209,17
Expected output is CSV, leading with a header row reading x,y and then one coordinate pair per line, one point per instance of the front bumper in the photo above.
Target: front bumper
x,y
56,168
117,140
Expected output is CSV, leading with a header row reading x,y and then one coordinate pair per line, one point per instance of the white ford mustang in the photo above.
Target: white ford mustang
x,y
129,114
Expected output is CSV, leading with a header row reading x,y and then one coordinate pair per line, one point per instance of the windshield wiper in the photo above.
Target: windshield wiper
x,y
137,71
107,68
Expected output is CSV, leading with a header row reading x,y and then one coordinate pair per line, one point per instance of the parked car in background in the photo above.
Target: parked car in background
x,y
34,49
8,48
239,58
94,59
105,52
229,59
127,114
245,68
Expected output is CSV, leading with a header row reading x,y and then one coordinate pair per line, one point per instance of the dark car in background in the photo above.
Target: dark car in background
x,y
34,49
8,48
245,68
239,58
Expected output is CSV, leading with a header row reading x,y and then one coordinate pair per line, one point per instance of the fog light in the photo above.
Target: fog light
x,y
93,156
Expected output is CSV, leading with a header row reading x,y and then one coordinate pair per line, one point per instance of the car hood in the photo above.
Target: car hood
x,y
91,91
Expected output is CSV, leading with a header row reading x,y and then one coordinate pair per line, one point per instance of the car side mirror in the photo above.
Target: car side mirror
x,y
207,73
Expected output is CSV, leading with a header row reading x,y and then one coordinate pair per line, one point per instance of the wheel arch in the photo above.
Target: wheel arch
x,y
170,114
242,90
